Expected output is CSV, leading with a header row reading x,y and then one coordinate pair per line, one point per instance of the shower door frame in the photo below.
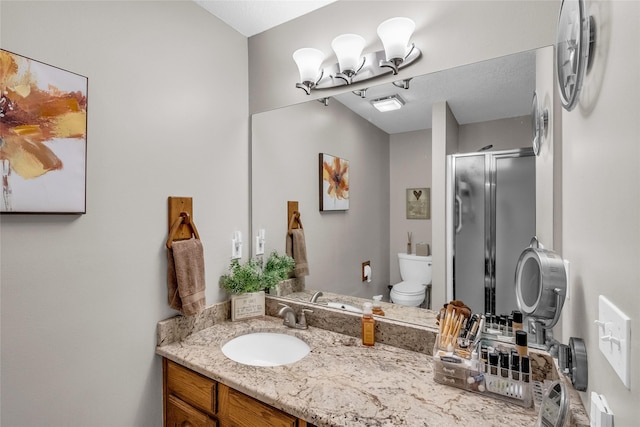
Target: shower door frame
x,y
490,198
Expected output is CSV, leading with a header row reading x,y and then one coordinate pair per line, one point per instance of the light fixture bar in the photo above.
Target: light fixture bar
x,y
370,70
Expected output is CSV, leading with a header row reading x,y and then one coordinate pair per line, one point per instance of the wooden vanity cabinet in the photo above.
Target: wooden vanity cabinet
x,y
193,400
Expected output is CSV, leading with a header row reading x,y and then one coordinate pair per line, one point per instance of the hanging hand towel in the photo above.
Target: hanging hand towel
x,y
297,249
185,276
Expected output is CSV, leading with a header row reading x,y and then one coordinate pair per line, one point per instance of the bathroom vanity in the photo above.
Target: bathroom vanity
x,y
193,399
339,383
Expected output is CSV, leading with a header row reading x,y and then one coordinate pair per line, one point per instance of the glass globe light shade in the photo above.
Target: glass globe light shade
x,y
309,61
395,34
348,49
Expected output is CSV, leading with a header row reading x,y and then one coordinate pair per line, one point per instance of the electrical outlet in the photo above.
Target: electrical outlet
x,y
614,338
364,264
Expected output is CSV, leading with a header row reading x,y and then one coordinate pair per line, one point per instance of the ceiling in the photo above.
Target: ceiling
x,y
488,90
253,17
484,91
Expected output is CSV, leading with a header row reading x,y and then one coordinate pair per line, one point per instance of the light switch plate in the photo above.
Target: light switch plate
x,y
614,338
259,246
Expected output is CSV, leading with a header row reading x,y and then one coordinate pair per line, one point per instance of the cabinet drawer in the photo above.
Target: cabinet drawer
x,y
180,414
241,410
191,387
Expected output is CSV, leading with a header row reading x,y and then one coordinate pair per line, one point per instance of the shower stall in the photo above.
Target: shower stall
x,y
491,218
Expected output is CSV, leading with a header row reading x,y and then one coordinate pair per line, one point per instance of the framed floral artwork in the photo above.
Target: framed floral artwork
x,y
418,203
334,183
43,137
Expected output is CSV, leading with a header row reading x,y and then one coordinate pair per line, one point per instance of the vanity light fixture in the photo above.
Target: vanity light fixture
x,y
388,103
352,65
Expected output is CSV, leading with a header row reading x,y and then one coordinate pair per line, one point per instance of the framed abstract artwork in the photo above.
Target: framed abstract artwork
x,y
334,183
418,203
43,137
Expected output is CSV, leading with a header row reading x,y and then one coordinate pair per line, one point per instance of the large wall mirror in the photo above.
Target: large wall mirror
x,y
388,153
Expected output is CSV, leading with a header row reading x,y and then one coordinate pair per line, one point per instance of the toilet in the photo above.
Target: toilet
x,y
415,271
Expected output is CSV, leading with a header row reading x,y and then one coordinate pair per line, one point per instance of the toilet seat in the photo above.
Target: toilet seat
x,y
408,293
409,288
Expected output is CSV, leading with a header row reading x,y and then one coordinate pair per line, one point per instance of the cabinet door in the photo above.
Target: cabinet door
x,y
180,414
239,410
191,387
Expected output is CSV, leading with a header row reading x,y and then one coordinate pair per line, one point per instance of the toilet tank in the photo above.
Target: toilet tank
x,y
415,268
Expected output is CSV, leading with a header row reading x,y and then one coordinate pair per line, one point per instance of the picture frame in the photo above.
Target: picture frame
x,y
334,183
43,128
418,203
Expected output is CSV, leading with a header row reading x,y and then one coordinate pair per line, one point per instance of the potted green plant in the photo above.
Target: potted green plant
x,y
248,282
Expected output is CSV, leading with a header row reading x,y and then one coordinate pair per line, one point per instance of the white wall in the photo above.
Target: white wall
x,y
81,295
503,134
601,198
410,167
286,144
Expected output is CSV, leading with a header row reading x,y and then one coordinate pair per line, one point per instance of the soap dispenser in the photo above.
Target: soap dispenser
x,y
377,307
368,325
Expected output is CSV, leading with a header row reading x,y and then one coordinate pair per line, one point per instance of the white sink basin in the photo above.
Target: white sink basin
x,y
266,349
344,307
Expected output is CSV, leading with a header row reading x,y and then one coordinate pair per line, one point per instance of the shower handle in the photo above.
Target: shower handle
x,y
459,225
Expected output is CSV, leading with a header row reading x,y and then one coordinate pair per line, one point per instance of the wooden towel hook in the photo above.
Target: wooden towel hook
x,y
183,218
295,219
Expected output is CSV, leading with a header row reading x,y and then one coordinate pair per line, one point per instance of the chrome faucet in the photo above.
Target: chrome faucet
x,y
315,296
289,317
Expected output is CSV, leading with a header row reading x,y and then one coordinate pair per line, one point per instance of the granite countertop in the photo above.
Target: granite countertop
x,y
413,315
341,382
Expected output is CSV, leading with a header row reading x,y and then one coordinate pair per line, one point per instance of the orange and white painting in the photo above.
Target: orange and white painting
x,y
334,183
43,137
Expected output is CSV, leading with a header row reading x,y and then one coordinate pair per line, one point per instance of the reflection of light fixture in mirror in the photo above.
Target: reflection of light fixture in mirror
x,y
403,84
575,41
395,34
362,93
388,103
539,123
348,49
309,61
353,66
541,287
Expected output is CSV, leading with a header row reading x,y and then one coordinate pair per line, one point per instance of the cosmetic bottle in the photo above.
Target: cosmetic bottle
x,y
521,343
517,322
493,363
524,368
515,366
368,325
504,364
377,308
502,324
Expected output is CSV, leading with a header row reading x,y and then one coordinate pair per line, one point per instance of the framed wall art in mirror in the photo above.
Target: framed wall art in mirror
x,y
43,134
334,183
418,203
